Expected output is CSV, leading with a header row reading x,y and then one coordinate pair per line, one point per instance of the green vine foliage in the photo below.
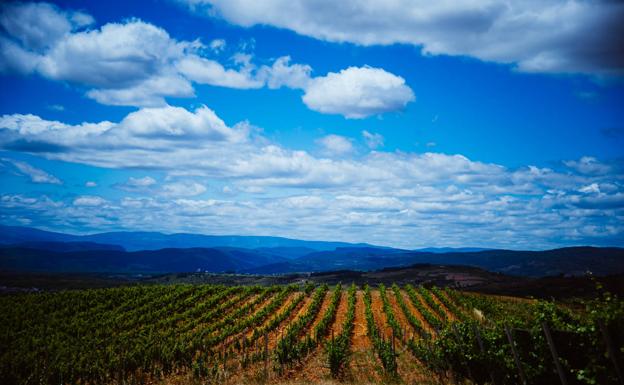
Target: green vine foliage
x,y
578,338
289,348
383,348
139,333
411,318
337,349
429,316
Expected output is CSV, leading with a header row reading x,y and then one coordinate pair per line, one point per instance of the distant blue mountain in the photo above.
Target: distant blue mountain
x,y
134,240
25,249
441,250
147,261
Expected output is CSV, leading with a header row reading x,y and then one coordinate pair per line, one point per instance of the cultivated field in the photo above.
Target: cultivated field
x,y
192,334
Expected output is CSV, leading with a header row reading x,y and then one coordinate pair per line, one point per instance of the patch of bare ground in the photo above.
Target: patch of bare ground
x,y
426,305
360,340
291,297
380,315
276,335
239,336
363,365
295,370
400,317
409,369
255,372
319,315
314,367
416,313
261,372
447,312
341,315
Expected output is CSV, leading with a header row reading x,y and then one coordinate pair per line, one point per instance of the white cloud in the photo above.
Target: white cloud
x,y
149,93
357,92
283,74
535,36
592,188
145,181
394,198
335,144
135,63
205,71
90,184
129,63
588,165
217,45
146,133
373,140
113,56
35,174
89,201
137,185
183,189
40,25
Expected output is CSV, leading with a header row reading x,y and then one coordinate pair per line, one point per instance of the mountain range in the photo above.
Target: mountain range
x,y
33,250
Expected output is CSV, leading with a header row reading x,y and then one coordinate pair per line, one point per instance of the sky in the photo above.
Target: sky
x,y
406,123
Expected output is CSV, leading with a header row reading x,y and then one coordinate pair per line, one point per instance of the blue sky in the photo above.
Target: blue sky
x,y
483,124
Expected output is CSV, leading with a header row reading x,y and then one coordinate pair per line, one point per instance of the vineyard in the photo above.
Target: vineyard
x,y
196,334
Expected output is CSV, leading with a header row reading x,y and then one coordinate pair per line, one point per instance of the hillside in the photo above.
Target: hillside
x,y
24,249
295,334
137,240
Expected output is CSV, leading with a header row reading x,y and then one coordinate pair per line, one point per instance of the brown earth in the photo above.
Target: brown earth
x,y
416,313
239,336
447,312
364,366
314,367
319,315
341,315
400,317
360,340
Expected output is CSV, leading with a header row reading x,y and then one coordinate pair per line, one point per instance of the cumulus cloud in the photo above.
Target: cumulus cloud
x,y
143,133
89,201
335,144
396,198
35,174
130,63
183,189
437,212
547,36
358,92
127,63
141,182
135,63
283,74
144,184
588,165
40,25
205,71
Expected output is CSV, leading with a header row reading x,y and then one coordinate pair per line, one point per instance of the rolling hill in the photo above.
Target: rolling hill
x,y
25,249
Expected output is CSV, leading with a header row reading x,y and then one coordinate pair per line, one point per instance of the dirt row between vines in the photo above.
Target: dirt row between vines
x,y
254,373
449,315
314,369
416,313
364,365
